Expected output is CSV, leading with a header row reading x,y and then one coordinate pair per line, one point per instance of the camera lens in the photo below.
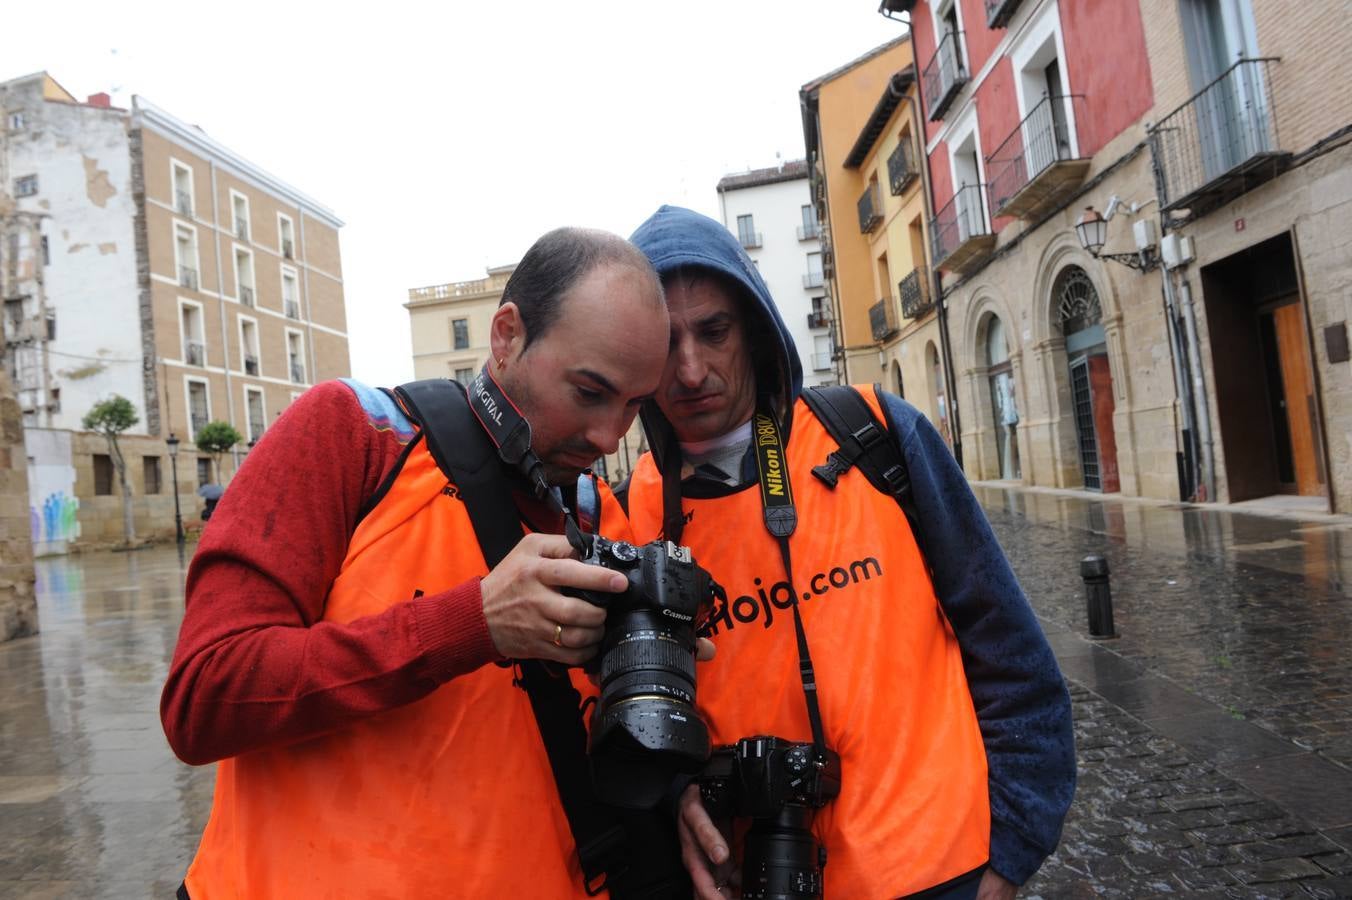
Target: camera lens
x,y
782,860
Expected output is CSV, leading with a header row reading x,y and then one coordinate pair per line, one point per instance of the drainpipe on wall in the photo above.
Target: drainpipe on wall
x,y
937,286
1199,392
1188,479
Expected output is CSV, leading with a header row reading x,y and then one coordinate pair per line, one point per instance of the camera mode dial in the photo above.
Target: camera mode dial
x,y
624,551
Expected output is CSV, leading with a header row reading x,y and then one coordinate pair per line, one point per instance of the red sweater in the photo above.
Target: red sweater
x,y
255,666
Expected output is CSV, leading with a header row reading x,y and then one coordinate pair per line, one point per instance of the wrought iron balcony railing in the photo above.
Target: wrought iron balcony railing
x,y
183,203
255,429
246,295
242,229
750,239
250,365
809,232
959,222
870,209
944,75
287,249
1033,149
1221,142
999,12
914,291
812,280
817,320
187,278
297,372
901,168
882,319
292,309
195,353
198,420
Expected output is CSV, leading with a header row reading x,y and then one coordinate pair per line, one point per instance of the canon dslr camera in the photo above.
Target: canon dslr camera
x,y
645,729
779,786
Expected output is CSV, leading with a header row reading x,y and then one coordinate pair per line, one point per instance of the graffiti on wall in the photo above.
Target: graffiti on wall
x,y
56,520
52,505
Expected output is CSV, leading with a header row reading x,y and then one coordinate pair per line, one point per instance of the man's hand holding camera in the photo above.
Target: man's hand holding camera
x,y
704,848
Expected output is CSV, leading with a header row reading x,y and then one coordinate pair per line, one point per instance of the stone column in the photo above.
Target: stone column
x,y
18,602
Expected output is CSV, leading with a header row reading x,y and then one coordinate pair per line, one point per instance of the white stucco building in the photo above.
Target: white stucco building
x,y
771,212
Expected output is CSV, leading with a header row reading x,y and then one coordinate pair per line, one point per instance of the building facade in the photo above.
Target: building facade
x,y
1193,352
145,259
450,322
861,127
772,214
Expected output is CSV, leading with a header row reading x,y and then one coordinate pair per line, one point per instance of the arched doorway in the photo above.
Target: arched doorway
x,y
1001,374
1080,316
934,374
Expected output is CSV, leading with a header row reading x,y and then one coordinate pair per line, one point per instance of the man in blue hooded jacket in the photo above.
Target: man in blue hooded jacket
x,y
917,811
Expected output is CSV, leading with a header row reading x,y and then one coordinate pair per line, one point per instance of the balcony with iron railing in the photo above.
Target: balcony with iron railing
x,y
187,277
999,12
198,419
288,250
944,75
1221,143
960,234
242,230
195,353
1034,170
882,319
818,320
812,280
914,291
250,365
292,309
246,295
750,240
809,232
183,203
870,209
821,362
901,167
297,371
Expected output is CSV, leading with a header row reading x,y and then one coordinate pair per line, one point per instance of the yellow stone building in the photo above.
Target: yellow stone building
x,y
449,324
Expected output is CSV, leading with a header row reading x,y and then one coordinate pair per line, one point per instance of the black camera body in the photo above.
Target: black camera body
x,y
779,786
645,729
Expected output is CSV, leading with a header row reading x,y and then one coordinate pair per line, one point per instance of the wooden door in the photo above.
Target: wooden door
x,y
1298,396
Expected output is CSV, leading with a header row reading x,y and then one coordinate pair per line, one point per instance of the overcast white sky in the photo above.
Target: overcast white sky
x,y
449,136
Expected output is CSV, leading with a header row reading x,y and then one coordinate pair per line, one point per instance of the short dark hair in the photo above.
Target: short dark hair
x,y
557,262
761,339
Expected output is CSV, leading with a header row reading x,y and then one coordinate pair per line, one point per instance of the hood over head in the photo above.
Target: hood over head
x,y
675,238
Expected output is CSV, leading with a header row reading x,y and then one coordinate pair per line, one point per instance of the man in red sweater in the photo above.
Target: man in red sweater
x,y
340,617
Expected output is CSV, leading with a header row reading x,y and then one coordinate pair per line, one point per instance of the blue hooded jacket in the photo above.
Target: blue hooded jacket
x,y
1020,697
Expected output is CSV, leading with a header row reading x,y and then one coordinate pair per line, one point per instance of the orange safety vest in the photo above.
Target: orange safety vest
x,y
450,796
914,808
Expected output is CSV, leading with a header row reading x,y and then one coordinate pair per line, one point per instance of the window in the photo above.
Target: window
x,y
253,402
239,207
182,184
746,232
464,376
194,339
286,238
460,334
203,471
199,406
150,469
248,346
813,278
27,186
17,121
244,276
46,252
295,356
289,302
103,474
810,229
185,248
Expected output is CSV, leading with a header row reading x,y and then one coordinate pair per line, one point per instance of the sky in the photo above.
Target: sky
x,y
449,136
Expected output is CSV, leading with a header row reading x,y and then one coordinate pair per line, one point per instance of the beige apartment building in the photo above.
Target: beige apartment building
x,y
143,258
449,324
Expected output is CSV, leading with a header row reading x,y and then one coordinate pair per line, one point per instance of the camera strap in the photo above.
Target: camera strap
x,y
628,852
781,519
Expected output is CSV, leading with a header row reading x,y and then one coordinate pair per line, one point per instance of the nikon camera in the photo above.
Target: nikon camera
x,y
779,786
645,730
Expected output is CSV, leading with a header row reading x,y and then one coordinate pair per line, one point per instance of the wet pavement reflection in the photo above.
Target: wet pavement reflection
x,y
1214,735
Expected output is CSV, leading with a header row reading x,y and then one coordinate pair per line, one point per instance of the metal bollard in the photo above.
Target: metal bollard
x,y
1099,594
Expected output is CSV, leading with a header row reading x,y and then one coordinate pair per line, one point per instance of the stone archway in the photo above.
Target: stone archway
x,y
1079,316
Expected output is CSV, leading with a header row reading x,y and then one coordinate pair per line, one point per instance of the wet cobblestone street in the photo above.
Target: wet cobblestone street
x,y
1214,735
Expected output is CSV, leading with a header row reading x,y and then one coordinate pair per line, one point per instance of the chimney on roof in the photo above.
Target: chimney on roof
x,y
101,100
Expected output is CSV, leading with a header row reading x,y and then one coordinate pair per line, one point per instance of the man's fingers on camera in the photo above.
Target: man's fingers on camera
x,y
704,650
568,611
570,573
696,818
702,876
575,637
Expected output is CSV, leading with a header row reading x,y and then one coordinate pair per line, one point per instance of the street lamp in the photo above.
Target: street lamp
x,y
1092,230
173,442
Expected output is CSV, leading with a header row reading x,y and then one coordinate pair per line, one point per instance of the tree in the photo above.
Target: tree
x,y
110,418
217,438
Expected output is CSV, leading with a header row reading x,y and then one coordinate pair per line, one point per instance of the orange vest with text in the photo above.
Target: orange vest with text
x,y
914,808
450,796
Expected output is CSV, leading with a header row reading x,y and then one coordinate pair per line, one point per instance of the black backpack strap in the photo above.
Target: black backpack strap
x,y
464,453
864,443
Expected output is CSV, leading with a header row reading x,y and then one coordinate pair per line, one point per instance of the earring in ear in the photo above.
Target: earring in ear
x,y
500,364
